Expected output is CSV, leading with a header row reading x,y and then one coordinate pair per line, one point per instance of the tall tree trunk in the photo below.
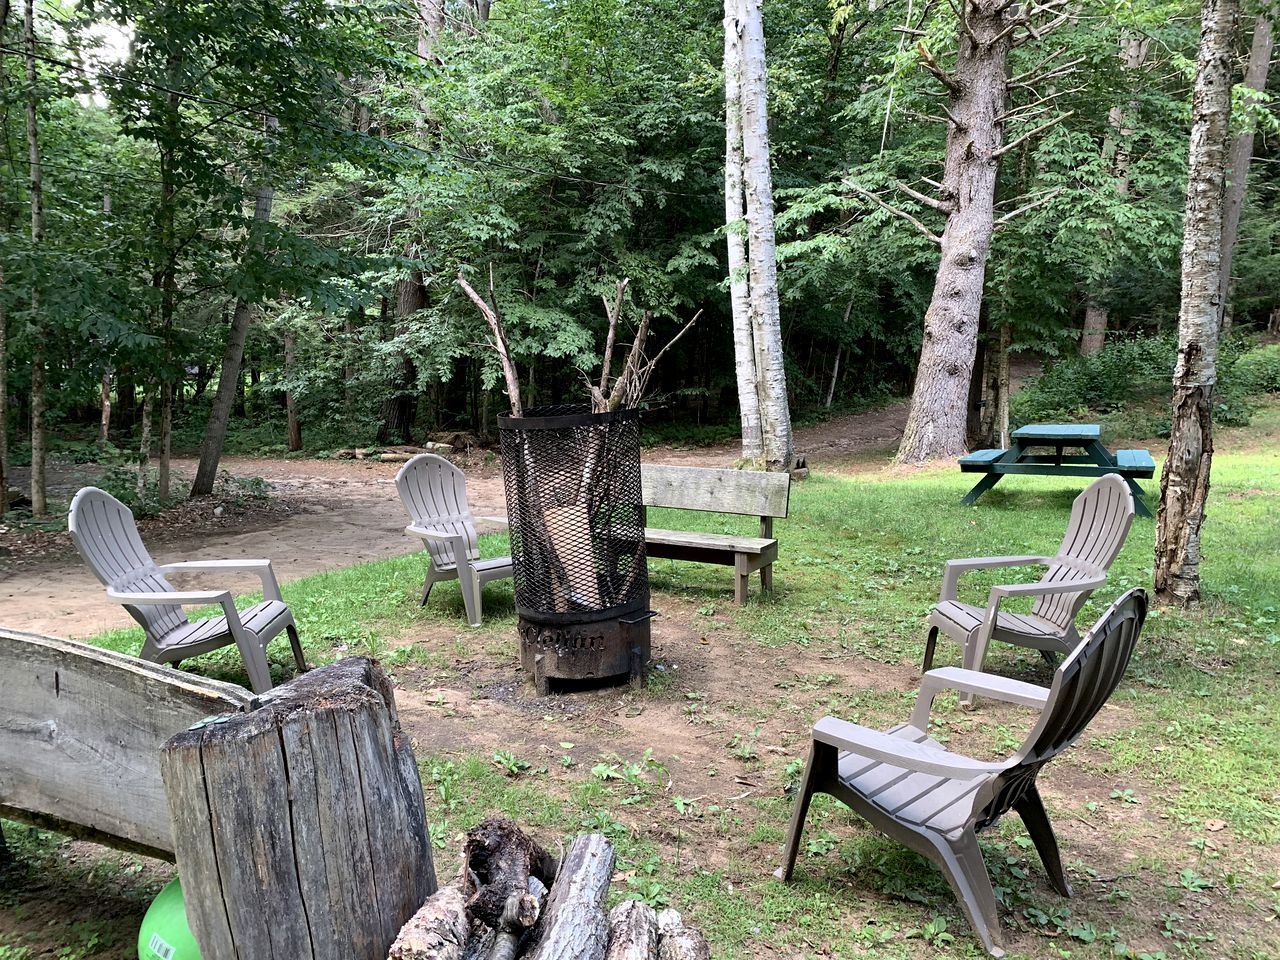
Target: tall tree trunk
x,y
835,376
144,443
1255,78
1096,311
39,507
104,423
1184,482
4,396
290,401
762,261
977,95
1002,383
400,409
229,378
744,349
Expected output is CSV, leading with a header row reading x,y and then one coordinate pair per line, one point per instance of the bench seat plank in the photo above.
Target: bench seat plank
x,y
725,544
980,460
1135,463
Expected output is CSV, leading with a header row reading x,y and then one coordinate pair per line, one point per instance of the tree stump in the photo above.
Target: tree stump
x,y
633,932
299,827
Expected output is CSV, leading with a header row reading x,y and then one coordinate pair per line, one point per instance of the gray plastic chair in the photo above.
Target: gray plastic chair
x,y
1100,520
104,531
434,492
935,801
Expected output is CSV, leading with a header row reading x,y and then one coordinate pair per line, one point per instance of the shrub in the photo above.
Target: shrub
x,y
1258,371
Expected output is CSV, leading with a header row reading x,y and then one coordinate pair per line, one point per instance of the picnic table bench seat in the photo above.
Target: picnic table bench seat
x,y
1135,463
743,492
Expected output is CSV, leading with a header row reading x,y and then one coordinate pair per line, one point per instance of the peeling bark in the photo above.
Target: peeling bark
x,y
1184,482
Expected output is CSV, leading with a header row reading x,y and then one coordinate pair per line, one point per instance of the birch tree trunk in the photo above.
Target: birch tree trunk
x,y
744,350
762,261
144,444
1255,78
290,401
229,377
977,95
1184,482
1096,312
39,507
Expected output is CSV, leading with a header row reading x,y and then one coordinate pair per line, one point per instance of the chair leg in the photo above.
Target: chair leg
x,y
961,861
471,595
1031,808
296,644
820,755
930,645
255,664
428,583
975,652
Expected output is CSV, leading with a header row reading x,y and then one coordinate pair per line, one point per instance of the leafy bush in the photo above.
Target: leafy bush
x,y
1258,371
1127,384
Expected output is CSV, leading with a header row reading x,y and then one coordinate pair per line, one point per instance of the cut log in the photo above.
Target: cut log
x,y
633,932
678,942
498,859
440,930
299,828
575,926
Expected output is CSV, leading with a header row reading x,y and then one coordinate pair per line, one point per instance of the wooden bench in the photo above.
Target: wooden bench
x,y
1135,463
744,492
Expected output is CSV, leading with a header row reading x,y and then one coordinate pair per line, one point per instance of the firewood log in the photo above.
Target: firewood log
x,y
633,932
678,942
440,930
575,926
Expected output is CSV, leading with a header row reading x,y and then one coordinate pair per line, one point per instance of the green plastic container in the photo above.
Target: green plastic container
x,y
165,934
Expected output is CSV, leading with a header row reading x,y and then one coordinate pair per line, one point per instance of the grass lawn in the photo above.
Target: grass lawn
x,y
1167,810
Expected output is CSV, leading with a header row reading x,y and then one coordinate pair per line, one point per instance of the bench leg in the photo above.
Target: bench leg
x,y
742,579
981,487
929,646
766,578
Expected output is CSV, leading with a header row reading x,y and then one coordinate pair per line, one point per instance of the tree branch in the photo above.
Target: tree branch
x,y
1013,145
943,206
895,211
499,344
613,315
1042,199
927,61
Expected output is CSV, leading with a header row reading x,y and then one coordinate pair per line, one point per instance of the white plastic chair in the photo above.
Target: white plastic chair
x,y
104,531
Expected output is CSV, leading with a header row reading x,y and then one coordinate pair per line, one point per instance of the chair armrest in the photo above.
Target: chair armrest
x,y
427,534
500,520
974,682
899,752
1045,589
270,586
178,598
954,568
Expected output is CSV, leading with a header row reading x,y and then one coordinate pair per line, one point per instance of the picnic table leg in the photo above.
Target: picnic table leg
x,y
1139,506
981,487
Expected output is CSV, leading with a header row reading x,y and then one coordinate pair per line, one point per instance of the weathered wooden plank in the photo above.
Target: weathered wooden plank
x,y
314,842
706,541
751,492
80,744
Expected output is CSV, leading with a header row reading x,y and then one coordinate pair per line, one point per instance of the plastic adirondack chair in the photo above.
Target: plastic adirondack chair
x,y
1100,520
935,801
105,533
434,492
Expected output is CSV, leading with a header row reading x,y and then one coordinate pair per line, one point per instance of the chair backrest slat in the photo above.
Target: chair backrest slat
x,y
1100,520
106,535
434,492
1081,686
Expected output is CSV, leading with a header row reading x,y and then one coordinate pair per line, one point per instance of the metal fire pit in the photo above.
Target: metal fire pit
x,y
577,520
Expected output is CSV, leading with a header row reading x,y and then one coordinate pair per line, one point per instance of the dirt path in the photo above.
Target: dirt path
x,y
341,512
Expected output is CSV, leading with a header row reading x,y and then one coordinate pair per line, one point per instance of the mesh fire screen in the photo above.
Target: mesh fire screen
x,y
577,519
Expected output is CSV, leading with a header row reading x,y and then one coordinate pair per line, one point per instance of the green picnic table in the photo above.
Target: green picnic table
x,y
1094,460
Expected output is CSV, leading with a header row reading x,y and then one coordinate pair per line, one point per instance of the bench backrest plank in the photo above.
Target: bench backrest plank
x,y
748,492
81,738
